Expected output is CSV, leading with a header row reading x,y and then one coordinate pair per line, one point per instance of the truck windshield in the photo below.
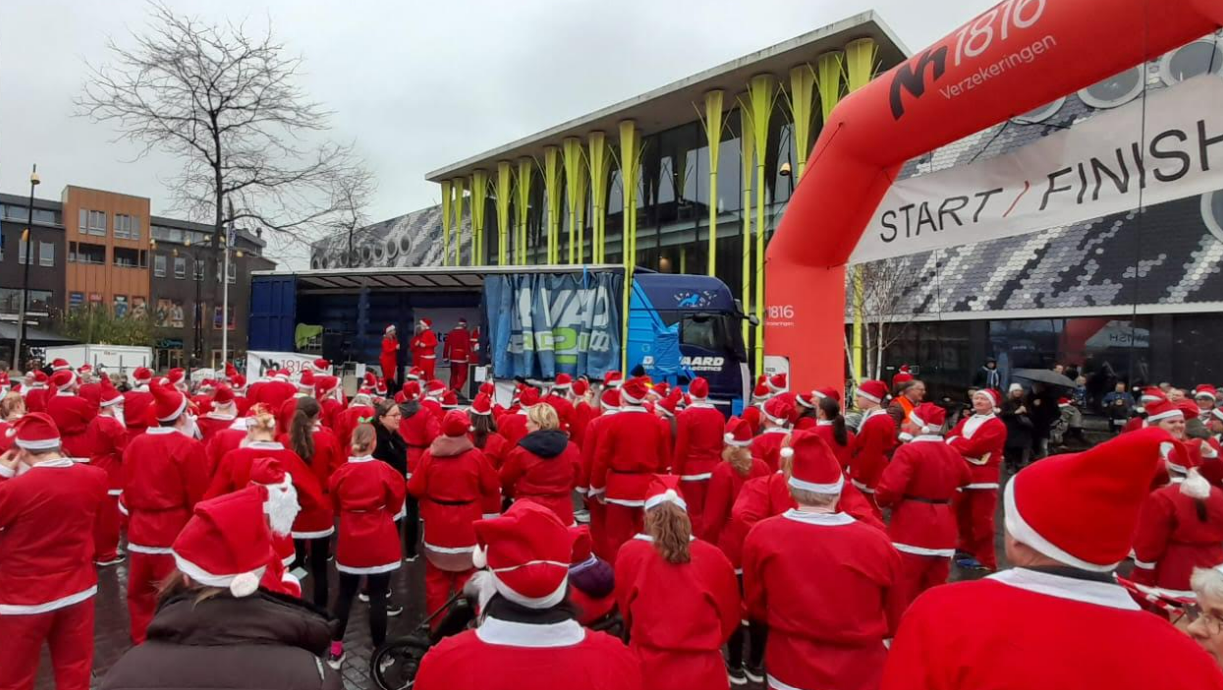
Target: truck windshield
x,y
713,332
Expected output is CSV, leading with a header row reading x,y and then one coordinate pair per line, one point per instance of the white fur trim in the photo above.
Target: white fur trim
x,y
370,570
150,550
923,551
544,602
822,519
862,487
1086,591
1175,412
704,476
45,444
479,557
833,488
1145,565
244,585
868,396
729,439
281,506
1021,531
177,413
47,606
668,496
786,452
204,577
566,633
314,535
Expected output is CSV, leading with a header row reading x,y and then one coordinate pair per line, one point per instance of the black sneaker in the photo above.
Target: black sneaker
x,y
393,610
363,597
736,675
754,673
336,660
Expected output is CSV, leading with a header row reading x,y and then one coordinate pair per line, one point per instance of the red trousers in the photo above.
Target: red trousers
x,y
458,376
427,365
106,531
440,584
598,529
68,633
919,573
145,573
974,512
694,495
620,524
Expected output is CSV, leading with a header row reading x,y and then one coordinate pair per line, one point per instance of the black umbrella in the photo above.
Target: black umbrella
x,y
1044,376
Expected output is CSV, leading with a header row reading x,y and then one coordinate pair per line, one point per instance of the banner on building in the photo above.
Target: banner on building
x,y
543,325
1114,162
259,363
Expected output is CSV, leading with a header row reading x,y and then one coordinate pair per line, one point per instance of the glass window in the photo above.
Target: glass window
x,y
46,254
180,267
126,257
23,251
1116,90
40,301
159,265
46,216
92,222
76,300
127,227
1191,60
85,253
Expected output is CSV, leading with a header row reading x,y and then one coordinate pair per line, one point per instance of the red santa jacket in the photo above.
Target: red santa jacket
x,y
1134,424
419,432
632,447
765,497
720,527
327,456
221,443
331,410
455,484
594,435
564,409
550,656
273,394
107,441
843,453
458,345
1083,633
424,346
47,520
513,426
980,439
871,448
698,442
474,346
918,485
367,495
315,518
767,446
544,468
211,424
389,359
826,586
136,404
164,476
1172,539
72,415
583,412
678,615
496,448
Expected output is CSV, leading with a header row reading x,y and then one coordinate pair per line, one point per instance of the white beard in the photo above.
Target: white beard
x,y
282,507
190,430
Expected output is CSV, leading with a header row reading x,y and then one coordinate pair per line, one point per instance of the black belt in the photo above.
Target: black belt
x,y
440,502
616,471
412,445
931,501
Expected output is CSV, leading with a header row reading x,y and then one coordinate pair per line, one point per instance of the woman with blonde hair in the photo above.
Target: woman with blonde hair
x,y
545,465
12,408
678,596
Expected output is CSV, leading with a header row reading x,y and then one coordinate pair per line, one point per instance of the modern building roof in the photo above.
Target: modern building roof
x,y
671,105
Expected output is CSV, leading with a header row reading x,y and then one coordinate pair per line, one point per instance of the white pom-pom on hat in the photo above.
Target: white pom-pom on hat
x,y
244,585
479,557
1195,485
787,452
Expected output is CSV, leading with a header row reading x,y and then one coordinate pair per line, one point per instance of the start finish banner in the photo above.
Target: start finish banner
x,y
1091,170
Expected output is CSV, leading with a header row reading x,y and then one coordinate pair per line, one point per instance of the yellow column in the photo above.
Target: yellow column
x,y
860,67
446,201
572,151
713,136
747,152
630,143
596,157
479,202
802,96
761,94
503,211
583,182
458,184
522,199
552,188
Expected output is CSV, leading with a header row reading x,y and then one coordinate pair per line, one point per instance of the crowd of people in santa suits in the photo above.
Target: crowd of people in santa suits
x,y
778,546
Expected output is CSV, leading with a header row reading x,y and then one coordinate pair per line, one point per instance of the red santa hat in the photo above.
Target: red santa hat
x,y
661,389
739,433
581,387
563,382
527,550
325,385
751,415
427,323
305,380
40,379
664,488
874,391
813,467
84,369
416,374
168,402
389,329
1151,394
1163,409
610,399
995,397
321,366
807,400
761,393
1205,390
63,379
411,391
238,382
230,371
1189,408
177,376
281,506
108,395
634,390
583,545
482,405
821,393
928,417
450,401
529,397
902,375
613,379
1064,402
488,388
60,364
435,389
1081,509
780,410
35,431
223,395
227,542
669,404
456,423
777,383
699,388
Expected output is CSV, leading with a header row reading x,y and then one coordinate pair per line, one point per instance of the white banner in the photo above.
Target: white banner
x,y
259,362
1091,170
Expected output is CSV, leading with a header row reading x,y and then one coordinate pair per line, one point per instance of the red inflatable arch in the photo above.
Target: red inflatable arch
x,y
1011,59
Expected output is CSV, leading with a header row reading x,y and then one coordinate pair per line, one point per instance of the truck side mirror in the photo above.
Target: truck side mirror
x,y
753,320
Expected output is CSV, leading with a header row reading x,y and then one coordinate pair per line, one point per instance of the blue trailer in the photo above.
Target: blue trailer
x,y
534,321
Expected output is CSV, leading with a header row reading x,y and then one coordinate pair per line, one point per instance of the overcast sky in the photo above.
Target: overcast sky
x,y
415,84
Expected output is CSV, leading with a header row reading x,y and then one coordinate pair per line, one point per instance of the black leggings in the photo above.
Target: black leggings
x,y
377,585
318,565
410,525
757,635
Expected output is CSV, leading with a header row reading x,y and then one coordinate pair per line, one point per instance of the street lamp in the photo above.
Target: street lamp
x,y
27,237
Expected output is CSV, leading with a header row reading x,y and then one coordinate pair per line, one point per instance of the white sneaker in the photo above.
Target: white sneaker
x,y
336,661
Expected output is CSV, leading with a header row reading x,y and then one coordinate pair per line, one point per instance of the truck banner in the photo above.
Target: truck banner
x,y
543,325
1166,148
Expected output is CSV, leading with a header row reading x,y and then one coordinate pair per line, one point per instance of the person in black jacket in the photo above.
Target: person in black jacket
x,y
393,450
988,376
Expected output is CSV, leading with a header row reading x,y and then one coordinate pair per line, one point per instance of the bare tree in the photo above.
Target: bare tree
x,y
225,102
886,313
350,198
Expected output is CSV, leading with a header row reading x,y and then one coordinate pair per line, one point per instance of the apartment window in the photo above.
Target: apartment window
x,y
233,271
159,265
46,254
86,253
125,257
180,267
127,227
23,251
92,222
